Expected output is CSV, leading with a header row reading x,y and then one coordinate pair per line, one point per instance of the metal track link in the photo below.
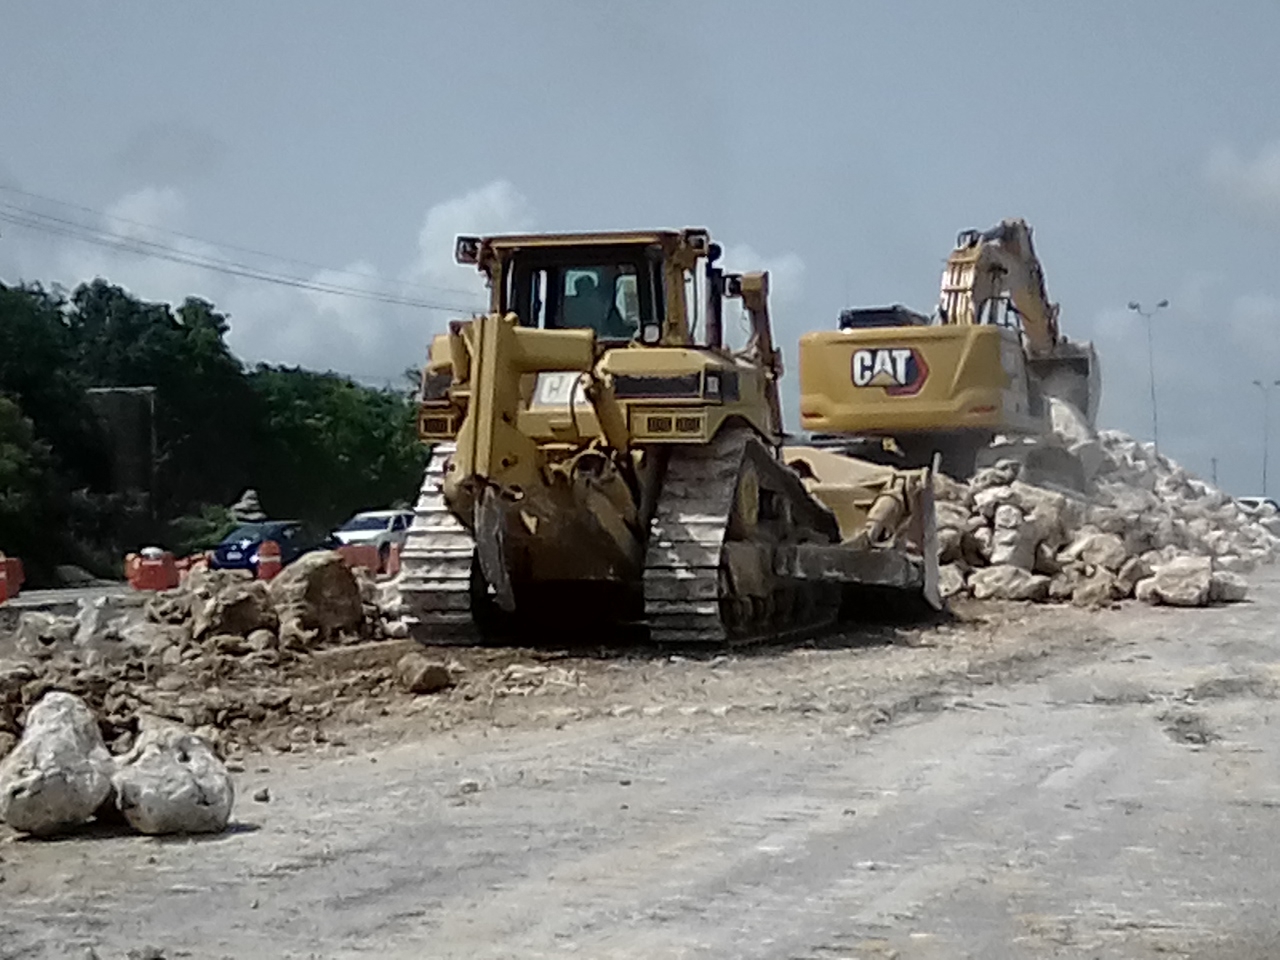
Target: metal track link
x,y
686,598
682,564
435,577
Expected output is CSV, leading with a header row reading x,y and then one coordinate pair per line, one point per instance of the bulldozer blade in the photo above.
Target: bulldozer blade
x,y
931,588
491,548
871,567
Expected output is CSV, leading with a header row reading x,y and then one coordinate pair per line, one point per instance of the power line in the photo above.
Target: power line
x,y
226,246
47,223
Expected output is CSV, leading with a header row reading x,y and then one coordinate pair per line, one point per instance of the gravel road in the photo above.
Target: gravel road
x,y
1087,785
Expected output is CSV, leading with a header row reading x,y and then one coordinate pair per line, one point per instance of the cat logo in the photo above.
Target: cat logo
x,y
900,370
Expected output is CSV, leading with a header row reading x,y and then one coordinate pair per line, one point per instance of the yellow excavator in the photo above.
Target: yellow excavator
x,y
600,455
899,387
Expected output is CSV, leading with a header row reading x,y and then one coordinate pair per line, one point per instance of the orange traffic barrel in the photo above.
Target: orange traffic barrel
x,y
133,570
14,574
157,570
268,560
196,561
360,555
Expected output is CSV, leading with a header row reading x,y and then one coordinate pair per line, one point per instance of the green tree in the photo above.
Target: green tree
x,y
331,447
316,446
27,512
41,372
205,410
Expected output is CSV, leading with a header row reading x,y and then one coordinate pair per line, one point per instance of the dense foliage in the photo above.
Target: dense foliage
x,y
316,446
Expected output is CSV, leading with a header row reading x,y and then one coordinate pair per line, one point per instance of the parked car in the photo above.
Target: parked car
x,y
1255,503
379,528
239,549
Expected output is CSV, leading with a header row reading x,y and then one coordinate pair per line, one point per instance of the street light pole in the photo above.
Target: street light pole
x,y
1266,425
1151,364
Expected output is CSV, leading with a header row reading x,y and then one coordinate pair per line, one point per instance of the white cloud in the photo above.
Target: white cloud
x,y
786,271
281,324
495,208
1251,182
1254,315
149,207
786,295
369,340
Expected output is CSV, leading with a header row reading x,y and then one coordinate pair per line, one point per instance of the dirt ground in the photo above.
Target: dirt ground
x,y
1021,781
347,694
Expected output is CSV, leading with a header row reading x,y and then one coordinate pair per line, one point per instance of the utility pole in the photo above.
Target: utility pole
x,y
1266,425
1213,463
1151,364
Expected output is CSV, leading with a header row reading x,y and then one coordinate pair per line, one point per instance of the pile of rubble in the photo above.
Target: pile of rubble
x,y
1146,529
219,655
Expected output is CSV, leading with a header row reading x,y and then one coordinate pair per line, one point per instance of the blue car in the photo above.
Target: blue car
x,y
239,549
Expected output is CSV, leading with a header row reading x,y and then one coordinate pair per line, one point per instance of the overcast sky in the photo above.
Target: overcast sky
x,y
841,145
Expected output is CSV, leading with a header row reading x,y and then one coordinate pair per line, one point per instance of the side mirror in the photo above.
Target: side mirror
x,y
699,240
466,250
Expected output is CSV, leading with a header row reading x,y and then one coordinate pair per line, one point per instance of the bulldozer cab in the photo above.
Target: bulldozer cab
x,y
623,287
613,291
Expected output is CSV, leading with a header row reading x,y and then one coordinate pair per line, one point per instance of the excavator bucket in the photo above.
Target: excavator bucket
x,y
1072,375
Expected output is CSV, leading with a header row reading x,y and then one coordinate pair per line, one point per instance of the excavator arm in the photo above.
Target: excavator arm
x,y
1001,262
987,265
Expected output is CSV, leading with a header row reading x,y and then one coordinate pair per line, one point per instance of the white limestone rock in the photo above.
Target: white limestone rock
x,y
171,781
1097,549
1096,591
986,500
59,774
950,545
1014,546
950,580
1008,582
1184,582
1227,587
1131,572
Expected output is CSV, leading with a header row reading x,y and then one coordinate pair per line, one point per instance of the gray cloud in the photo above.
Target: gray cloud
x,y
171,151
1253,183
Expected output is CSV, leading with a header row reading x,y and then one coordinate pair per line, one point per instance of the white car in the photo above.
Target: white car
x,y
379,528
1256,504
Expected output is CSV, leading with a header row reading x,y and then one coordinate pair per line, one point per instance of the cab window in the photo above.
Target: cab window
x,y
603,298
614,296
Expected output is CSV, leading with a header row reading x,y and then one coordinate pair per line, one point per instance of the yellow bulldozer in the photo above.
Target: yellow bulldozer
x,y
907,386
600,454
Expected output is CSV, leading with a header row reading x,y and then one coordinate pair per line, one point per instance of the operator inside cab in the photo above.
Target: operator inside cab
x,y
609,298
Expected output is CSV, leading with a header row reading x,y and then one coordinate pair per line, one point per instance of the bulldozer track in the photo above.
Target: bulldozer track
x,y
436,560
688,597
682,562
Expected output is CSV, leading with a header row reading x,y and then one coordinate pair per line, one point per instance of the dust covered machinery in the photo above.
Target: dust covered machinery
x,y
599,454
950,385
